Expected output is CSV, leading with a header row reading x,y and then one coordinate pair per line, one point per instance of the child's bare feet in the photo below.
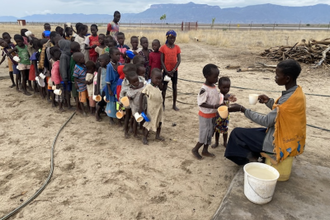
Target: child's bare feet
x,y
12,86
225,144
145,141
98,117
175,108
159,138
196,154
207,154
27,93
215,145
111,121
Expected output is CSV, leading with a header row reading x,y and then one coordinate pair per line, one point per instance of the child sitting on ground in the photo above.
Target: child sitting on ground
x,y
90,66
208,101
171,60
221,124
79,75
154,105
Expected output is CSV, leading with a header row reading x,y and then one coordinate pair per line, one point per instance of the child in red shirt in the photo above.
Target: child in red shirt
x,y
154,57
170,59
91,42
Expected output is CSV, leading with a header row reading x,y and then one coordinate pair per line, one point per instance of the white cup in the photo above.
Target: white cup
x,y
16,59
138,117
53,87
167,78
42,76
28,33
223,111
253,99
58,92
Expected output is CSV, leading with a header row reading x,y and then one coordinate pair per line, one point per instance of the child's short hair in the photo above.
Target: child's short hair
x,y
223,79
290,68
81,28
43,41
207,69
134,37
78,25
4,34
36,42
94,25
55,52
120,34
156,40
101,35
77,55
74,46
45,24
138,59
155,70
18,37
58,29
90,64
116,12
105,56
23,31
112,50
114,42
129,75
67,29
129,67
143,38
53,34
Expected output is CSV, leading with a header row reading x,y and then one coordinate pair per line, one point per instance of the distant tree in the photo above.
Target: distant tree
x,y
213,20
163,17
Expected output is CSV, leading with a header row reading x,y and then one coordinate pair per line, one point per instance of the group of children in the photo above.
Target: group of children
x,y
97,70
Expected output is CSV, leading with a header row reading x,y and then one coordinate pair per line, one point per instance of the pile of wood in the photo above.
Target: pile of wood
x,y
309,52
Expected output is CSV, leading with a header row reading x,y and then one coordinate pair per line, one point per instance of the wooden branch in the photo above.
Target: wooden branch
x,y
324,55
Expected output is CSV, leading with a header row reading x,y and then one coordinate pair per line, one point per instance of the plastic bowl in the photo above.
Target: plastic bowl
x,y
145,117
130,54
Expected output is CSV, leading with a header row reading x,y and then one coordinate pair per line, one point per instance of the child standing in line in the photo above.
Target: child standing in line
x,y
134,93
135,44
209,100
155,56
79,75
221,124
104,60
60,31
24,63
25,38
154,106
101,46
46,33
92,41
8,45
145,53
56,76
111,79
68,34
113,27
122,47
90,66
75,47
80,38
65,46
171,59
36,44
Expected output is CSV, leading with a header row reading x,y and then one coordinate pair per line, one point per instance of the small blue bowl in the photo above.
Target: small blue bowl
x,y
130,54
144,116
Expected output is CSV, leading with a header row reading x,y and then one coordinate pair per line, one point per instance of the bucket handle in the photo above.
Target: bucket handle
x,y
256,192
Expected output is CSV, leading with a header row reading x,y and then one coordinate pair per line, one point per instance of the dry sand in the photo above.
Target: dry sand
x,y
100,175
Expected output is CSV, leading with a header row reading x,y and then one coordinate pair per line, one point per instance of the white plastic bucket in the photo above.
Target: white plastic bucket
x,y
259,182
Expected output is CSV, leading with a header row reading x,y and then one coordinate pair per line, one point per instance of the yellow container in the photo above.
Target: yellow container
x,y
284,168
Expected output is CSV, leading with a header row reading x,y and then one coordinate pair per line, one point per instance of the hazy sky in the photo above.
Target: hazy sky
x,y
20,9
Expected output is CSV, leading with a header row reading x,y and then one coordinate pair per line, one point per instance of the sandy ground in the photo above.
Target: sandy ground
x,y
100,175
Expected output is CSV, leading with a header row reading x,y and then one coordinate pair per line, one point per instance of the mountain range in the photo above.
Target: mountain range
x,y
203,13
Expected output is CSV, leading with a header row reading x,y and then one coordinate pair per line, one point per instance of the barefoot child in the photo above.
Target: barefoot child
x,y
122,47
155,56
208,101
221,124
79,75
101,46
111,79
80,38
24,63
104,60
134,93
75,47
91,42
113,27
65,46
135,43
46,33
154,106
90,66
56,76
171,60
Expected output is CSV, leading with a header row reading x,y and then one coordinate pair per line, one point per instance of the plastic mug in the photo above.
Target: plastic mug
x,y
138,117
167,78
145,117
253,99
16,59
53,87
97,98
58,92
120,114
28,33
223,111
42,76
125,101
